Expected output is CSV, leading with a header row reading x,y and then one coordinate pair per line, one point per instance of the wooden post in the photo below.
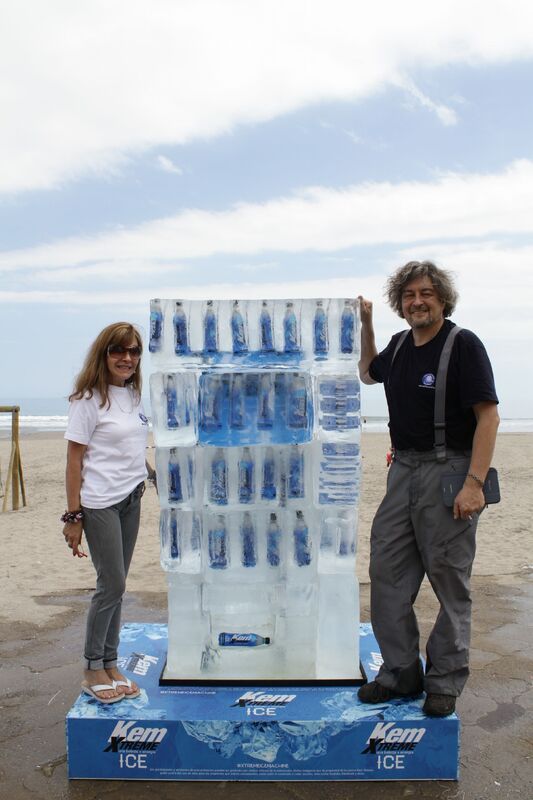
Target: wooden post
x,y
15,476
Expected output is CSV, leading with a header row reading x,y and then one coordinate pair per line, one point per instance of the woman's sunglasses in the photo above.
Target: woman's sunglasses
x,y
116,350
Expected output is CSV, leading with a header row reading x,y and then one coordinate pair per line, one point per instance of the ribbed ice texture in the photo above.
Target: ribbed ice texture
x,y
256,411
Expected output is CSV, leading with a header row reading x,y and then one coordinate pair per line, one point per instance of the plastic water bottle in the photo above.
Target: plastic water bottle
x,y
237,406
238,332
347,327
248,541
187,405
242,639
174,536
190,475
268,484
265,401
297,402
219,479
172,403
210,401
290,330
273,542
320,330
210,329
181,337
246,477
156,326
218,544
296,473
196,533
302,543
175,494
265,325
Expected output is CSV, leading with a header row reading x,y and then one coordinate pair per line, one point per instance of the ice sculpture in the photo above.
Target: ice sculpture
x,y
257,430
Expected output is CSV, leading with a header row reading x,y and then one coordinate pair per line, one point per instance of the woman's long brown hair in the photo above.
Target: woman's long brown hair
x,y
94,374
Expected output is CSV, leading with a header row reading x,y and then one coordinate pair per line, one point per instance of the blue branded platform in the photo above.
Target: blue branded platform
x,y
210,733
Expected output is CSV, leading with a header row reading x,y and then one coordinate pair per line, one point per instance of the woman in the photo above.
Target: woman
x,y
106,468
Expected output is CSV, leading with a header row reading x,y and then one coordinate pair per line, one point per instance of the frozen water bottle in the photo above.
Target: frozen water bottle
x,y
248,541
238,332
265,401
237,407
273,542
218,544
265,326
174,540
296,472
210,329
181,337
290,330
172,403
196,533
156,326
302,543
246,477
242,639
210,397
190,475
219,481
175,494
320,330
347,327
297,402
268,483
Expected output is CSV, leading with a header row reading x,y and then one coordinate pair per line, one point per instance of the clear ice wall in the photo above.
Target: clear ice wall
x,y
256,417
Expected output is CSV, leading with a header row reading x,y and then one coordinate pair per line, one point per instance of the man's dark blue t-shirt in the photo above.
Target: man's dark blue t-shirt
x,y
410,388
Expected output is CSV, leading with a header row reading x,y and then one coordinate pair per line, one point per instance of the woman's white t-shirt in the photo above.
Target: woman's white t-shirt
x,y
114,462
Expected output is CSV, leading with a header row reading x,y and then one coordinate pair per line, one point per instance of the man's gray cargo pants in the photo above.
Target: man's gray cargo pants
x,y
413,534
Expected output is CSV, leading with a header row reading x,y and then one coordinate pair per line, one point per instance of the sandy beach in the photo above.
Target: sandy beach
x,y
44,595
36,563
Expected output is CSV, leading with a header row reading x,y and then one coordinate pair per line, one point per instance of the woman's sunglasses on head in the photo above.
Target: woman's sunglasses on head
x,y
116,350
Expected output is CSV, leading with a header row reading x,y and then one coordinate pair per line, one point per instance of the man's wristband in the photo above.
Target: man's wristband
x,y
476,478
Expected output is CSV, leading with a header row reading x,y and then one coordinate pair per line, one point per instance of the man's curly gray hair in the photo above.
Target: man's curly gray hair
x,y
441,279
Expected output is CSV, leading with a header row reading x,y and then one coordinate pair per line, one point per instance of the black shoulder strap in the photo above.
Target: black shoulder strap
x,y
401,339
439,419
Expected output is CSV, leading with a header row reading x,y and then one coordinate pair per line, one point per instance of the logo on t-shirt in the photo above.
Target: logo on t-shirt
x,y
143,419
428,381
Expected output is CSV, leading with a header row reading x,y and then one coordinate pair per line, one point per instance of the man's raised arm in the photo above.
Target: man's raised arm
x,y
368,342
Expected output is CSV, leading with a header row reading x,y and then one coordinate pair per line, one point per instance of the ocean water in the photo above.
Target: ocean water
x,y
50,414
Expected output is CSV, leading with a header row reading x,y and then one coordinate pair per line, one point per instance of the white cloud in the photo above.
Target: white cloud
x,y
167,165
444,113
85,85
316,219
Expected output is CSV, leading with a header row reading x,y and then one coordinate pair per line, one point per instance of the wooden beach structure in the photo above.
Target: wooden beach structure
x,y
15,477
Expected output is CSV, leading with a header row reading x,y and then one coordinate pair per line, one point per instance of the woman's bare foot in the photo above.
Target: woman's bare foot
x,y
115,675
95,677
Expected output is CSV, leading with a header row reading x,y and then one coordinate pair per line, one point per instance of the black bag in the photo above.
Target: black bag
x,y
452,483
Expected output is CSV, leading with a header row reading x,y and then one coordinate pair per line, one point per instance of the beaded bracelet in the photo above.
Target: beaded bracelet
x,y
72,516
476,478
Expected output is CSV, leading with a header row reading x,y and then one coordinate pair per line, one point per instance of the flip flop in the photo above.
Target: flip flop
x,y
127,683
101,687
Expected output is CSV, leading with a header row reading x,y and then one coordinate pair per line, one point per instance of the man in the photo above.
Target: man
x,y
413,532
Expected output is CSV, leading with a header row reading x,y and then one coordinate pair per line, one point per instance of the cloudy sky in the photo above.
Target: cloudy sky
x,y
219,148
